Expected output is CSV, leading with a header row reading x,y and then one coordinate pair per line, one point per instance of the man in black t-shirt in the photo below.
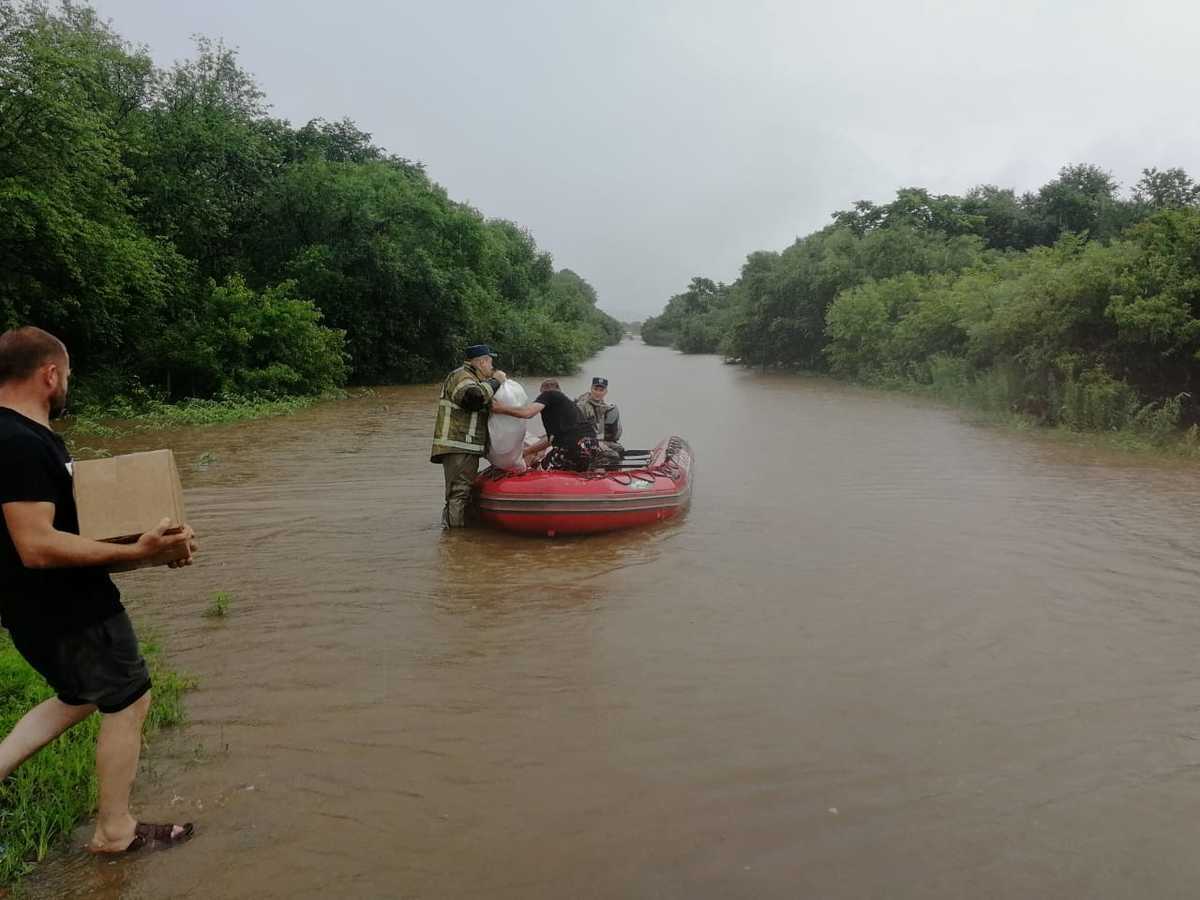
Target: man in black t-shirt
x,y
57,601
568,432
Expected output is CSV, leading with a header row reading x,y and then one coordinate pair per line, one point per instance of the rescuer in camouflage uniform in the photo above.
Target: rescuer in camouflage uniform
x,y
460,434
604,417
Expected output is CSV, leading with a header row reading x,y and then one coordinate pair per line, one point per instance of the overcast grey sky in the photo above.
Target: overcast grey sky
x,y
646,142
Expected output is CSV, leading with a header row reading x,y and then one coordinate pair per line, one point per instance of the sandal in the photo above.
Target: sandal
x,y
145,833
164,834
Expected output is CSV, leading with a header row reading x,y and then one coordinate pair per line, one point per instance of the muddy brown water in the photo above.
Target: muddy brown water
x,y
886,654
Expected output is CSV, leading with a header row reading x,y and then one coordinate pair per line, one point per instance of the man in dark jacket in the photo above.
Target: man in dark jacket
x,y
460,432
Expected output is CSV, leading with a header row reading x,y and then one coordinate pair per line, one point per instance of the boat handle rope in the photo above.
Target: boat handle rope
x,y
627,478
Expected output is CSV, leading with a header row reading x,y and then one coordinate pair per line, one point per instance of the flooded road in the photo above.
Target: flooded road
x,y
885,654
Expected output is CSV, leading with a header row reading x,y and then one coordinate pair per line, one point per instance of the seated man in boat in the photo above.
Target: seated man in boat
x,y
604,417
569,436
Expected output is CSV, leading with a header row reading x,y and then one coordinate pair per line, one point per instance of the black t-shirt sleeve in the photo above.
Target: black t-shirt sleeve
x,y
27,471
549,421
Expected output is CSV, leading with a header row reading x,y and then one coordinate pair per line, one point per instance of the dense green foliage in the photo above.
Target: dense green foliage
x,y
50,793
1071,305
186,244
693,321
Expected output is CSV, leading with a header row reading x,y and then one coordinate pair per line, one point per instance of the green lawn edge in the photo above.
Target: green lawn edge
x,y
55,790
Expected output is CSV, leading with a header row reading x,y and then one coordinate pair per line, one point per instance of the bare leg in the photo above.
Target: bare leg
x,y
117,753
36,729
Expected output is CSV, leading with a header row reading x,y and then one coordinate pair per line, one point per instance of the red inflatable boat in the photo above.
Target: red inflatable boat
x,y
648,487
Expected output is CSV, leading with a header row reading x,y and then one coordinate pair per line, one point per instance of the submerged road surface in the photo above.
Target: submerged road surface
x,y
885,654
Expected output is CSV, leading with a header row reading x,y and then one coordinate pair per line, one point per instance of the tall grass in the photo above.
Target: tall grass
x,y
123,416
52,792
1092,407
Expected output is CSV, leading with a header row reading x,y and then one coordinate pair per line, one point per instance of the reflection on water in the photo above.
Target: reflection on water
x,y
886,653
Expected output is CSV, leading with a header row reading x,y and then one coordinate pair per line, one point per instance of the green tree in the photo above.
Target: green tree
x,y
691,320
204,153
1083,198
1170,189
72,257
512,263
1155,305
240,341
1007,222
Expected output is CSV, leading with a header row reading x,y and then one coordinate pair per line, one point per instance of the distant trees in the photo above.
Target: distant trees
x,y
1172,189
1072,304
692,321
179,237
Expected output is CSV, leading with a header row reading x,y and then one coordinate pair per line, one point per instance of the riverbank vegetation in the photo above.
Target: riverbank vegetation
x,y
1072,306
187,244
56,789
124,415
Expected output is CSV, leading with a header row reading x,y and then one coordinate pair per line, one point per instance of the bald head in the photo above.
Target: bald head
x,y
25,350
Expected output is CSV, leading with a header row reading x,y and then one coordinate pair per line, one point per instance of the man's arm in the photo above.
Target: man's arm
x,y
474,396
41,546
521,412
612,424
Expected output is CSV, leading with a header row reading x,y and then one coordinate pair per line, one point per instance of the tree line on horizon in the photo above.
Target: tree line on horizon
x,y
185,243
1073,304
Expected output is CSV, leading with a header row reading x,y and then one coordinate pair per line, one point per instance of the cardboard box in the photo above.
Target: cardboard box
x,y
122,497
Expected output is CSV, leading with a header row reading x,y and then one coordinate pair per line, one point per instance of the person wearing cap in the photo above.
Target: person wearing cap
x,y
569,436
604,417
460,432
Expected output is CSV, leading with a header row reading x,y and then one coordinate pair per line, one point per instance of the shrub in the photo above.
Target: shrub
x,y
1095,401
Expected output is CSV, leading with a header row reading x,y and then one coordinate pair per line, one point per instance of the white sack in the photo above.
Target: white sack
x,y
507,433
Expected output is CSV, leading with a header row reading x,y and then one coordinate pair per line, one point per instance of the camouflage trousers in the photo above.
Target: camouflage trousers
x,y
460,470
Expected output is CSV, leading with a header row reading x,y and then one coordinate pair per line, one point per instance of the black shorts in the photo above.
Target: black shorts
x,y
99,665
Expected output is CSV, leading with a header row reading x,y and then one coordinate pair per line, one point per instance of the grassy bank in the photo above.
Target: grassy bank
x,y
1101,414
56,789
125,416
